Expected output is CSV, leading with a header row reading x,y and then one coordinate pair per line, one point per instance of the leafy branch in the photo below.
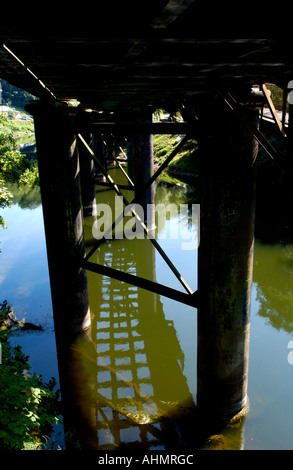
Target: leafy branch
x,y
14,166
29,407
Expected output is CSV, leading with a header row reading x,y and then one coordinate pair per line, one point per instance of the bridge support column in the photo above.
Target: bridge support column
x,y
141,164
227,206
87,181
98,149
61,201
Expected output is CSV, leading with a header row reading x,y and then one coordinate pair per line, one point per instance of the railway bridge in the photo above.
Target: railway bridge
x,y
98,78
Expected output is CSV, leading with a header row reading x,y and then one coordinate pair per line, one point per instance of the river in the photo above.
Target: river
x,y
138,365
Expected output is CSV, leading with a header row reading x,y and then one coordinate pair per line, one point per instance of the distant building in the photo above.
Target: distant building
x,y
5,109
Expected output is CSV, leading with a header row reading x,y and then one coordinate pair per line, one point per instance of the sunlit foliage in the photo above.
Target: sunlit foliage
x,y
14,166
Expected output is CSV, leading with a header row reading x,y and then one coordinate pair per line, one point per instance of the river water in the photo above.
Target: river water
x,y
137,367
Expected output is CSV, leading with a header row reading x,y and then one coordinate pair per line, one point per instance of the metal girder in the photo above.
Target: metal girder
x,y
149,234
110,150
120,186
166,162
188,299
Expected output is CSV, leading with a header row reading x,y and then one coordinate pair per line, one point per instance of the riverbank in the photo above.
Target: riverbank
x,y
21,127
184,167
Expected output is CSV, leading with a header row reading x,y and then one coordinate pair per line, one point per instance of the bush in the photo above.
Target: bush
x,y
29,407
14,166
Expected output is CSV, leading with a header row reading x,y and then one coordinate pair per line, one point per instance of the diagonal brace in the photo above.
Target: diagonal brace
x,y
147,184
258,135
110,150
148,233
166,162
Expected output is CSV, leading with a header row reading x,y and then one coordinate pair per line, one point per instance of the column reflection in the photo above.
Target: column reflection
x,y
129,381
140,386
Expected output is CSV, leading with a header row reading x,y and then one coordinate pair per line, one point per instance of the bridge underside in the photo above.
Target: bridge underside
x,y
124,62
155,54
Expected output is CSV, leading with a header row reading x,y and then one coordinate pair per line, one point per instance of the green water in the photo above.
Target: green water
x,y
136,368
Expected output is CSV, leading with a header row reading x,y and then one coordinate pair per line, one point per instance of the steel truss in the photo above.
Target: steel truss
x,y
190,297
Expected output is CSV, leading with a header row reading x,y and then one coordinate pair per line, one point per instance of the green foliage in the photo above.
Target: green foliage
x,y
163,146
29,407
26,197
184,161
22,127
158,114
14,166
187,161
277,96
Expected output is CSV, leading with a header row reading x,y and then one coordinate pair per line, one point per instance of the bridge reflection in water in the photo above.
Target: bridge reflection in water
x,y
128,385
135,379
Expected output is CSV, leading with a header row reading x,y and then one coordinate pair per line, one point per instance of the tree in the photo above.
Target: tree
x,y
29,406
14,166
15,97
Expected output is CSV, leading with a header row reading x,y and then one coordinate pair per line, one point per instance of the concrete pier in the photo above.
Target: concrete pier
x,y
87,181
141,165
227,205
61,201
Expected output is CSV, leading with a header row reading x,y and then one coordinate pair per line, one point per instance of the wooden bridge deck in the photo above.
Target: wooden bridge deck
x,y
152,54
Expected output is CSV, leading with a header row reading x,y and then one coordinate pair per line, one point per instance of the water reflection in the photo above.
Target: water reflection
x,y
273,271
135,372
26,197
129,382
129,377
